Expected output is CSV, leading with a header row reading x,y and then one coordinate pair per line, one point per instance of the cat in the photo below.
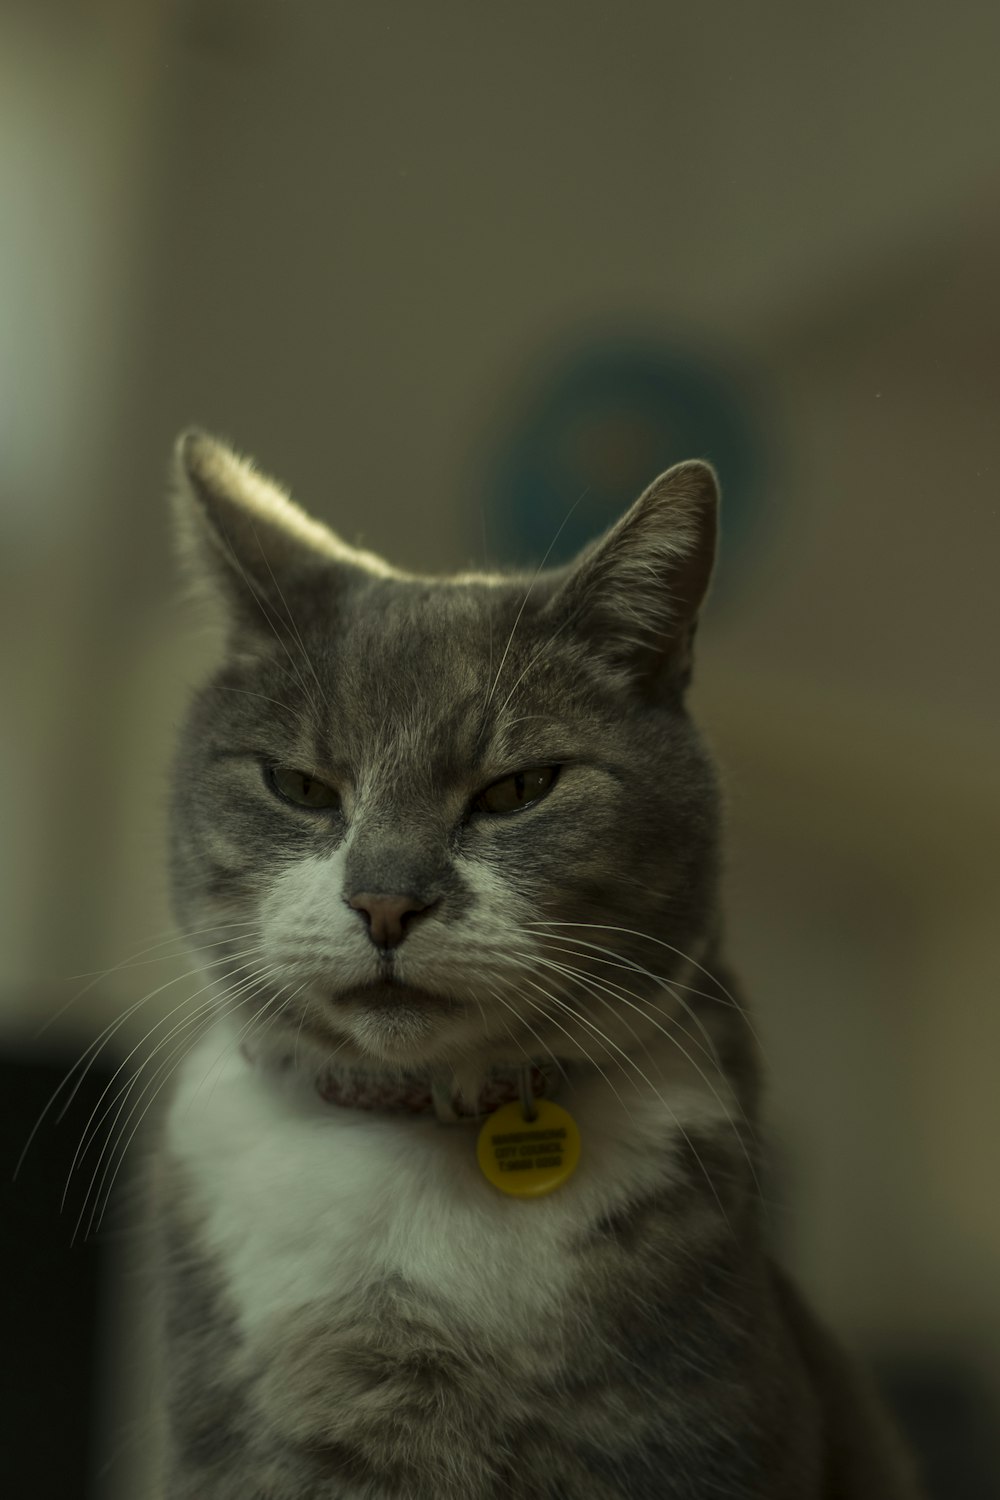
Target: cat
x,y
448,851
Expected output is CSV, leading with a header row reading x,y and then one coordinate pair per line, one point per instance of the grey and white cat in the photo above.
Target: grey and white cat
x,y
442,844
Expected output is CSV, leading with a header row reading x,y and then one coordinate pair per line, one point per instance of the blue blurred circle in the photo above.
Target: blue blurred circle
x,y
596,430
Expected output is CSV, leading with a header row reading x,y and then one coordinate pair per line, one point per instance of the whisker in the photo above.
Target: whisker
x,y
486,569
212,1003
276,1005
701,1074
575,1040
569,620
89,1133
286,708
595,985
497,996
101,1041
184,947
266,610
94,1049
645,1078
96,975
288,614
524,601
646,937
113,1154
616,961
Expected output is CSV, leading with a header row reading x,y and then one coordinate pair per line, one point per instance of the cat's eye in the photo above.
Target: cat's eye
x,y
517,791
300,787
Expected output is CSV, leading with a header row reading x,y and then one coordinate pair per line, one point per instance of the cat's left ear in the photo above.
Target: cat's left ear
x,y
635,593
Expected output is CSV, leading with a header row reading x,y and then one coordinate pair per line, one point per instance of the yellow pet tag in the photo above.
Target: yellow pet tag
x,y
528,1158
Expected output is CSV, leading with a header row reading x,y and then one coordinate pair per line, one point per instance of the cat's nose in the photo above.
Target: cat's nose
x,y
386,916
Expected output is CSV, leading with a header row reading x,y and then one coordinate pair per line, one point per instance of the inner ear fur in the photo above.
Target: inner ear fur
x,y
636,592
245,540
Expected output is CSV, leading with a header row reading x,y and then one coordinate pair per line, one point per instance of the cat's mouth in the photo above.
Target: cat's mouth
x,y
390,994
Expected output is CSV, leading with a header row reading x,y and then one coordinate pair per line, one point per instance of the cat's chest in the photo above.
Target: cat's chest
x,y
300,1201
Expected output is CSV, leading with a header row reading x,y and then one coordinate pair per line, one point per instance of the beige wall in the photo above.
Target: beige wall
x,y
854,702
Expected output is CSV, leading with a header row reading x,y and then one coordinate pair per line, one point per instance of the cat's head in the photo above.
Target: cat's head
x,y
447,818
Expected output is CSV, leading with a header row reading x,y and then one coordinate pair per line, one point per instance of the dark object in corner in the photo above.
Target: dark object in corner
x,y
51,1331
945,1414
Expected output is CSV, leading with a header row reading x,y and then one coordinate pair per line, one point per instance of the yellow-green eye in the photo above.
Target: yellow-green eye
x,y
517,791
301,788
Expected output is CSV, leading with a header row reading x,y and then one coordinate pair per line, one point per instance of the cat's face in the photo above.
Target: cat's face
x,y
449,820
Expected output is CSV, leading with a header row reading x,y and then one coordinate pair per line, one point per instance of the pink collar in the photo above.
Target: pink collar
x,y
418,1093
421,1093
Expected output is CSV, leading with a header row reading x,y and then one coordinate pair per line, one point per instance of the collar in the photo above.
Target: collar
x,y
423,1092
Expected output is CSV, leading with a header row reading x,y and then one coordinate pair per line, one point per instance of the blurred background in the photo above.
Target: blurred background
x,y
443,269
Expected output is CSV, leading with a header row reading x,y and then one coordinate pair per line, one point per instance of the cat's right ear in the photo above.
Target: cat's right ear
x,y
245,543
635,593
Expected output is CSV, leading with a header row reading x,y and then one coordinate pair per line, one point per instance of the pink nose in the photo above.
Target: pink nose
x,y
386,915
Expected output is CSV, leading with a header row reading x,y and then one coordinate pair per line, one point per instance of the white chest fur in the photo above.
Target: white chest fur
x,y
302,1200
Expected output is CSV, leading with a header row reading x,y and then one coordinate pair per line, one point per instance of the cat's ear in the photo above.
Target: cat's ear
x,y
635,593
245,542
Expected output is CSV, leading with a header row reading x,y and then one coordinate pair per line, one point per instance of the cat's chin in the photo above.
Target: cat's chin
x,y
396,1037
392,1023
